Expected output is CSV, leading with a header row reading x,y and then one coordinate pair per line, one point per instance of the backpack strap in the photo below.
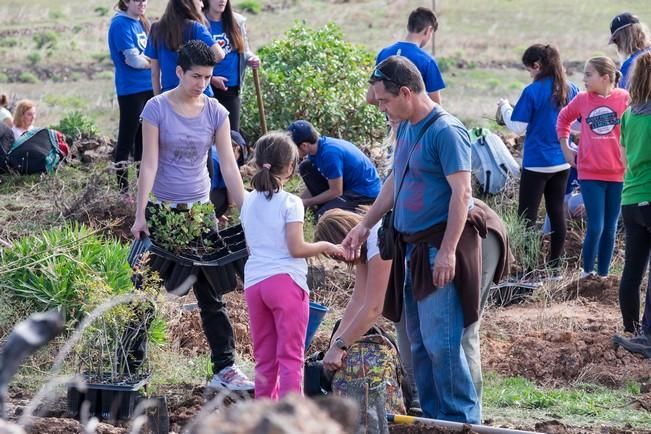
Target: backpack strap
x,y
24,137
413,147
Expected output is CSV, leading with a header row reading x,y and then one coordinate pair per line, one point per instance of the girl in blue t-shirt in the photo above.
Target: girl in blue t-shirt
x,y
127,38
181,22
544,169
228,30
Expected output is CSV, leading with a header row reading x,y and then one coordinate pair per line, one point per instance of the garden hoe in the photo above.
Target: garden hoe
x,y
457,426
258,94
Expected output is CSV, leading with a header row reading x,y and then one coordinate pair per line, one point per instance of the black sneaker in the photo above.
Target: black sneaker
x,y
641,339
638,344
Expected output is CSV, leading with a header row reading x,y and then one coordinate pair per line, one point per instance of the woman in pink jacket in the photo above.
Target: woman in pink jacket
x,y
600,163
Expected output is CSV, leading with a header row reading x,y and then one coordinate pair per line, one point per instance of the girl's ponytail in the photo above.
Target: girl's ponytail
x,y
4,101
265,182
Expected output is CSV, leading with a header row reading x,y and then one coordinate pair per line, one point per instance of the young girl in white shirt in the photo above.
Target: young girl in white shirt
x,y
275,275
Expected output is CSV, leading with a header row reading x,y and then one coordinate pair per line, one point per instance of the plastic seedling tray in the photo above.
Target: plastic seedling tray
x,y
229,243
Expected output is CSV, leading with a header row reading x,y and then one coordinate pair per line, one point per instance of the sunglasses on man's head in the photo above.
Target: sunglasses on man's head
x,y
377,73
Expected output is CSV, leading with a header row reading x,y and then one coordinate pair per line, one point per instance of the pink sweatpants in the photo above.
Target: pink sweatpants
x,y
278,314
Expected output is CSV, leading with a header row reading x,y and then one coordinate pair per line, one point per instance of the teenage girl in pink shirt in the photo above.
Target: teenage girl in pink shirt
x,y
599,164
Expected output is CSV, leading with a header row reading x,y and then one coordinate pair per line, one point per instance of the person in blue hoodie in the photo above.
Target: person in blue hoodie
x,y
229,31
181,22
127,38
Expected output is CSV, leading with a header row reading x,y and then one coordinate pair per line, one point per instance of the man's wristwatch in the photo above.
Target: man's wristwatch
x,y
339,343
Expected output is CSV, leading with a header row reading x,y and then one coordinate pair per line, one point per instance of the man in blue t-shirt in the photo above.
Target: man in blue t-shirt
x,y
421,26
430,192
337,174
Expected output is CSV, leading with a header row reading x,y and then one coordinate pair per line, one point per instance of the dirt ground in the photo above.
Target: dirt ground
x,y
562,336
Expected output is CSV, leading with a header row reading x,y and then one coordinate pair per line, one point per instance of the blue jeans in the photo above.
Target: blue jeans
x,y
602,201
435,326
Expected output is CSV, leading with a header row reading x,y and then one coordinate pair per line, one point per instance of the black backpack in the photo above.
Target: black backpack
x,y
36,151
6,140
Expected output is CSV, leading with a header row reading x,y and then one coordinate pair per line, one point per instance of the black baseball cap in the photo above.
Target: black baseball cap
x,y
301,131
620,22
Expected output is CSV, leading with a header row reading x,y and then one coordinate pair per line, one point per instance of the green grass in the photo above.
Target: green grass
x,y
520,400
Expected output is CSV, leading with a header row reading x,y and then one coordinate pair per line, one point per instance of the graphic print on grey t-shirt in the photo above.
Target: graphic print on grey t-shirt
x,y
187,151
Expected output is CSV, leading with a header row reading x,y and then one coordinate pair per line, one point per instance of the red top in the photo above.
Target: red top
x,y
600,155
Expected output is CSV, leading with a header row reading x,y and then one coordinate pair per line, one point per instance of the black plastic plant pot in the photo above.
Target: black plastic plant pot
x,y
108,401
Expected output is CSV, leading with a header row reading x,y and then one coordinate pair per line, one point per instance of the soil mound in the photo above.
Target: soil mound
x,y
560,358
602,290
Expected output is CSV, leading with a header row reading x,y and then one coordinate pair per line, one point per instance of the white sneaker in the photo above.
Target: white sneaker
x,y
231,378
584,274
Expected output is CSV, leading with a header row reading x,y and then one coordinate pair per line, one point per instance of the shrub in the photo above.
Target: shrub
x,y
75,125
102,57
315,75
4,78
47,39
114,347
27,77
33,58
8,42
101,11
250,6
525,243
59,268
55,14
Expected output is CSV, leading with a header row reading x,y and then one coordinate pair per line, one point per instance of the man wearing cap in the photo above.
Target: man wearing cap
x,y
438,228
421,25
631,38
336,173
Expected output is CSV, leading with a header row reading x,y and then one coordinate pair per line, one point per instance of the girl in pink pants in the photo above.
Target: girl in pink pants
x,y
275,275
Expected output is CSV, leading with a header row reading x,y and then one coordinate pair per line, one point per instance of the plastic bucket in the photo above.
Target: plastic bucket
x,y
317,312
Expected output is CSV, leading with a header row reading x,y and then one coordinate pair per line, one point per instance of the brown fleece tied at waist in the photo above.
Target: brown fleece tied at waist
x,y
467,274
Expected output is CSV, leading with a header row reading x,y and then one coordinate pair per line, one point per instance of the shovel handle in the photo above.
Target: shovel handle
x,y
258,94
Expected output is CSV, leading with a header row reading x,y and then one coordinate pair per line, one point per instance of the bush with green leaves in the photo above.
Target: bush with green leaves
x,y
33,58
250,6
101,11
115,347
46,39
27,77
317,76
58,268
76,125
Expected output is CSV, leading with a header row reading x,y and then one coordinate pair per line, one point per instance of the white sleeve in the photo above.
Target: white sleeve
x,y
135,59
518,128
295,210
